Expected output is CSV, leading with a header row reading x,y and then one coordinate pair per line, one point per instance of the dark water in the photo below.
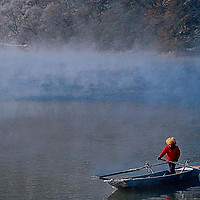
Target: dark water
x,y
49,150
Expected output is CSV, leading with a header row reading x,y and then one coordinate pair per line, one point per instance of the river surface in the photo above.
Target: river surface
x,y
50,150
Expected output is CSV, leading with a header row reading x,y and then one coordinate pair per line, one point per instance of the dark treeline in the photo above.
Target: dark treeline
x,y
165,25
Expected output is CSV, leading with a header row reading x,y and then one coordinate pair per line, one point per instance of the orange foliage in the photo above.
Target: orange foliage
x,y
150,12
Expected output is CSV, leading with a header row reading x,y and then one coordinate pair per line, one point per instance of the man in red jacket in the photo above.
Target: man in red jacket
x,y
173,153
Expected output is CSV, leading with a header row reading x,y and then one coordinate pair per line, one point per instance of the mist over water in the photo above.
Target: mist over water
x,y
87,75
80,113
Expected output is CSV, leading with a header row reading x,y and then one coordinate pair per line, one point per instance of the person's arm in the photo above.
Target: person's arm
x,y
164,151
178,153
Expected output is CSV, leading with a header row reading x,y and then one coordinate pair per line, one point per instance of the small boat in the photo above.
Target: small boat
x,y
152,179
158,178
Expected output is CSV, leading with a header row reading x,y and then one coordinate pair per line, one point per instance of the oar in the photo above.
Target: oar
x,y
181,164
117,173
125,171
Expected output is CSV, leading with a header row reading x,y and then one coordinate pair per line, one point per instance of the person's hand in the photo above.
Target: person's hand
x,y
159,158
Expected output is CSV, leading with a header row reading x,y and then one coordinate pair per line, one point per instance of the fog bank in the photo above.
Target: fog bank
x,y
94,76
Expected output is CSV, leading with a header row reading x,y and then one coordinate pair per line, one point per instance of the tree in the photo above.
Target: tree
x,y
12,13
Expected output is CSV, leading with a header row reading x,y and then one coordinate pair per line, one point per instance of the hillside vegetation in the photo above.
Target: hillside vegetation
x,y
170,26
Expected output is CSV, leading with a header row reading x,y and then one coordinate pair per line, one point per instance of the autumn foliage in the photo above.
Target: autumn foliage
x,y
120,25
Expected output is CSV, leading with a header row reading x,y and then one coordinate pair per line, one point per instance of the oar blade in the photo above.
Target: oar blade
x,y
95,177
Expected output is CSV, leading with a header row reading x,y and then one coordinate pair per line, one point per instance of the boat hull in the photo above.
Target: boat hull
x,y
151,180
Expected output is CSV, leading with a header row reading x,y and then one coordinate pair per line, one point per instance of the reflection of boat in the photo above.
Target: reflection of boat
x,y
188,189
150,180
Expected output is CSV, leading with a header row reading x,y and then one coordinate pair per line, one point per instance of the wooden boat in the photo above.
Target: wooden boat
x,y
158,178
152,179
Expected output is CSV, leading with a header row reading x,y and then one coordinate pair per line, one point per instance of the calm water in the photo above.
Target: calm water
x,y
49,150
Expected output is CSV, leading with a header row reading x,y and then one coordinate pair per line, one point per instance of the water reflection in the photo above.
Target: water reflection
x,y
49,150
184,190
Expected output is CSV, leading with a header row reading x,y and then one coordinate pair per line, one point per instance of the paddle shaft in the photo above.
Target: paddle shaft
x,y
127,171
176,163
122,172
181,164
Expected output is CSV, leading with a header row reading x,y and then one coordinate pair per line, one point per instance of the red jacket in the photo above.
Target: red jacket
x,y
172,154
